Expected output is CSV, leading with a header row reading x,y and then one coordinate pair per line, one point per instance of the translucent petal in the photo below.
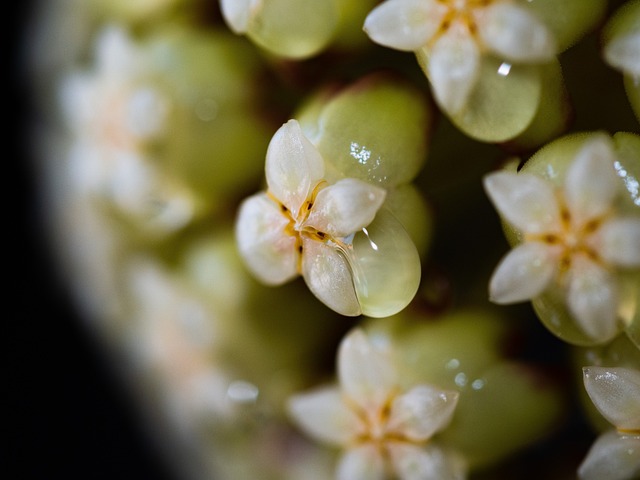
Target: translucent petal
x,y
526,201
421,412
616,394
411,462
361,463
345,207
116,53
618,241
591,182
612,457
514,33
366,374
592,299
293,166
237,13
268,252
328,276
325,416
454,66
523,274
381,252
404,24
624,53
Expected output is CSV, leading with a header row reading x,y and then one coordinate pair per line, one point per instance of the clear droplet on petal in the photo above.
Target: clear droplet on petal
x,y
386,266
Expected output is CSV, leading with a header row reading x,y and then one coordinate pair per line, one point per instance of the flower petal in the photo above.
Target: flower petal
x,y
515,33
618,241
293,166
238,13
345,207
365,373
267,250
421,412
591,182
361,463
328,276
612,456
523,274
325,416
615,392
404,24
526,201
411,462
624,53
454,66
592,299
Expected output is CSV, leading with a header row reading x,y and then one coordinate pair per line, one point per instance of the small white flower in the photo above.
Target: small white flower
x,y
302,225
385,431
615,454
455,34
572,238
238,13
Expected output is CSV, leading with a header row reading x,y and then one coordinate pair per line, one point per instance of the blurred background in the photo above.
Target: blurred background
x,y
70,416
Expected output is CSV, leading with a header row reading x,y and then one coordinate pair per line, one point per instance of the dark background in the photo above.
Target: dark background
x,y
69,415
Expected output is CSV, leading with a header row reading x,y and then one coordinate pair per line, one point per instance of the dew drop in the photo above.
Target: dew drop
x,y
242,392
504,69
385,265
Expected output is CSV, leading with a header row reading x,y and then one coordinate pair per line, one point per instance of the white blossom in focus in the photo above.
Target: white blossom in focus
x,y
572,238
455,34
615,455
302,225
385,431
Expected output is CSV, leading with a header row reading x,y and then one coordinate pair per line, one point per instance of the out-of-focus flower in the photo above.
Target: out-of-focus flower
x,y
385,431
615,454
115,114
456,34
572,238
302,225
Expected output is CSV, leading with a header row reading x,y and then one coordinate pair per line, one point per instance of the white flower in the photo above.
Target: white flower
x,y
238,13
301,225
385,431
115,113
455,34
615,455
572,238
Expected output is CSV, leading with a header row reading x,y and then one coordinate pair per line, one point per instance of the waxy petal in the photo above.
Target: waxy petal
x,y
345,207
592,299
526,201
411,462
325,416
421,412
328,276
591,182
515,33
293,166
238,13
366,374
404,24
618,241
267,250
523,274
615,392
624,53
361,463
454,66
612,457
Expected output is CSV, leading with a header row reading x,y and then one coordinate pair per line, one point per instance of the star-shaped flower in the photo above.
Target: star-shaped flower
x,y
384,430
455,34
572,238
302,225
615,454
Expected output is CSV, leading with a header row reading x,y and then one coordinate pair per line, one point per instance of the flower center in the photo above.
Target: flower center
x,y
463,12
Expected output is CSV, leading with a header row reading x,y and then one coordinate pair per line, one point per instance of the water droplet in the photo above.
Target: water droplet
x,y
243,392
385,265
504,69
477,384
460,379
